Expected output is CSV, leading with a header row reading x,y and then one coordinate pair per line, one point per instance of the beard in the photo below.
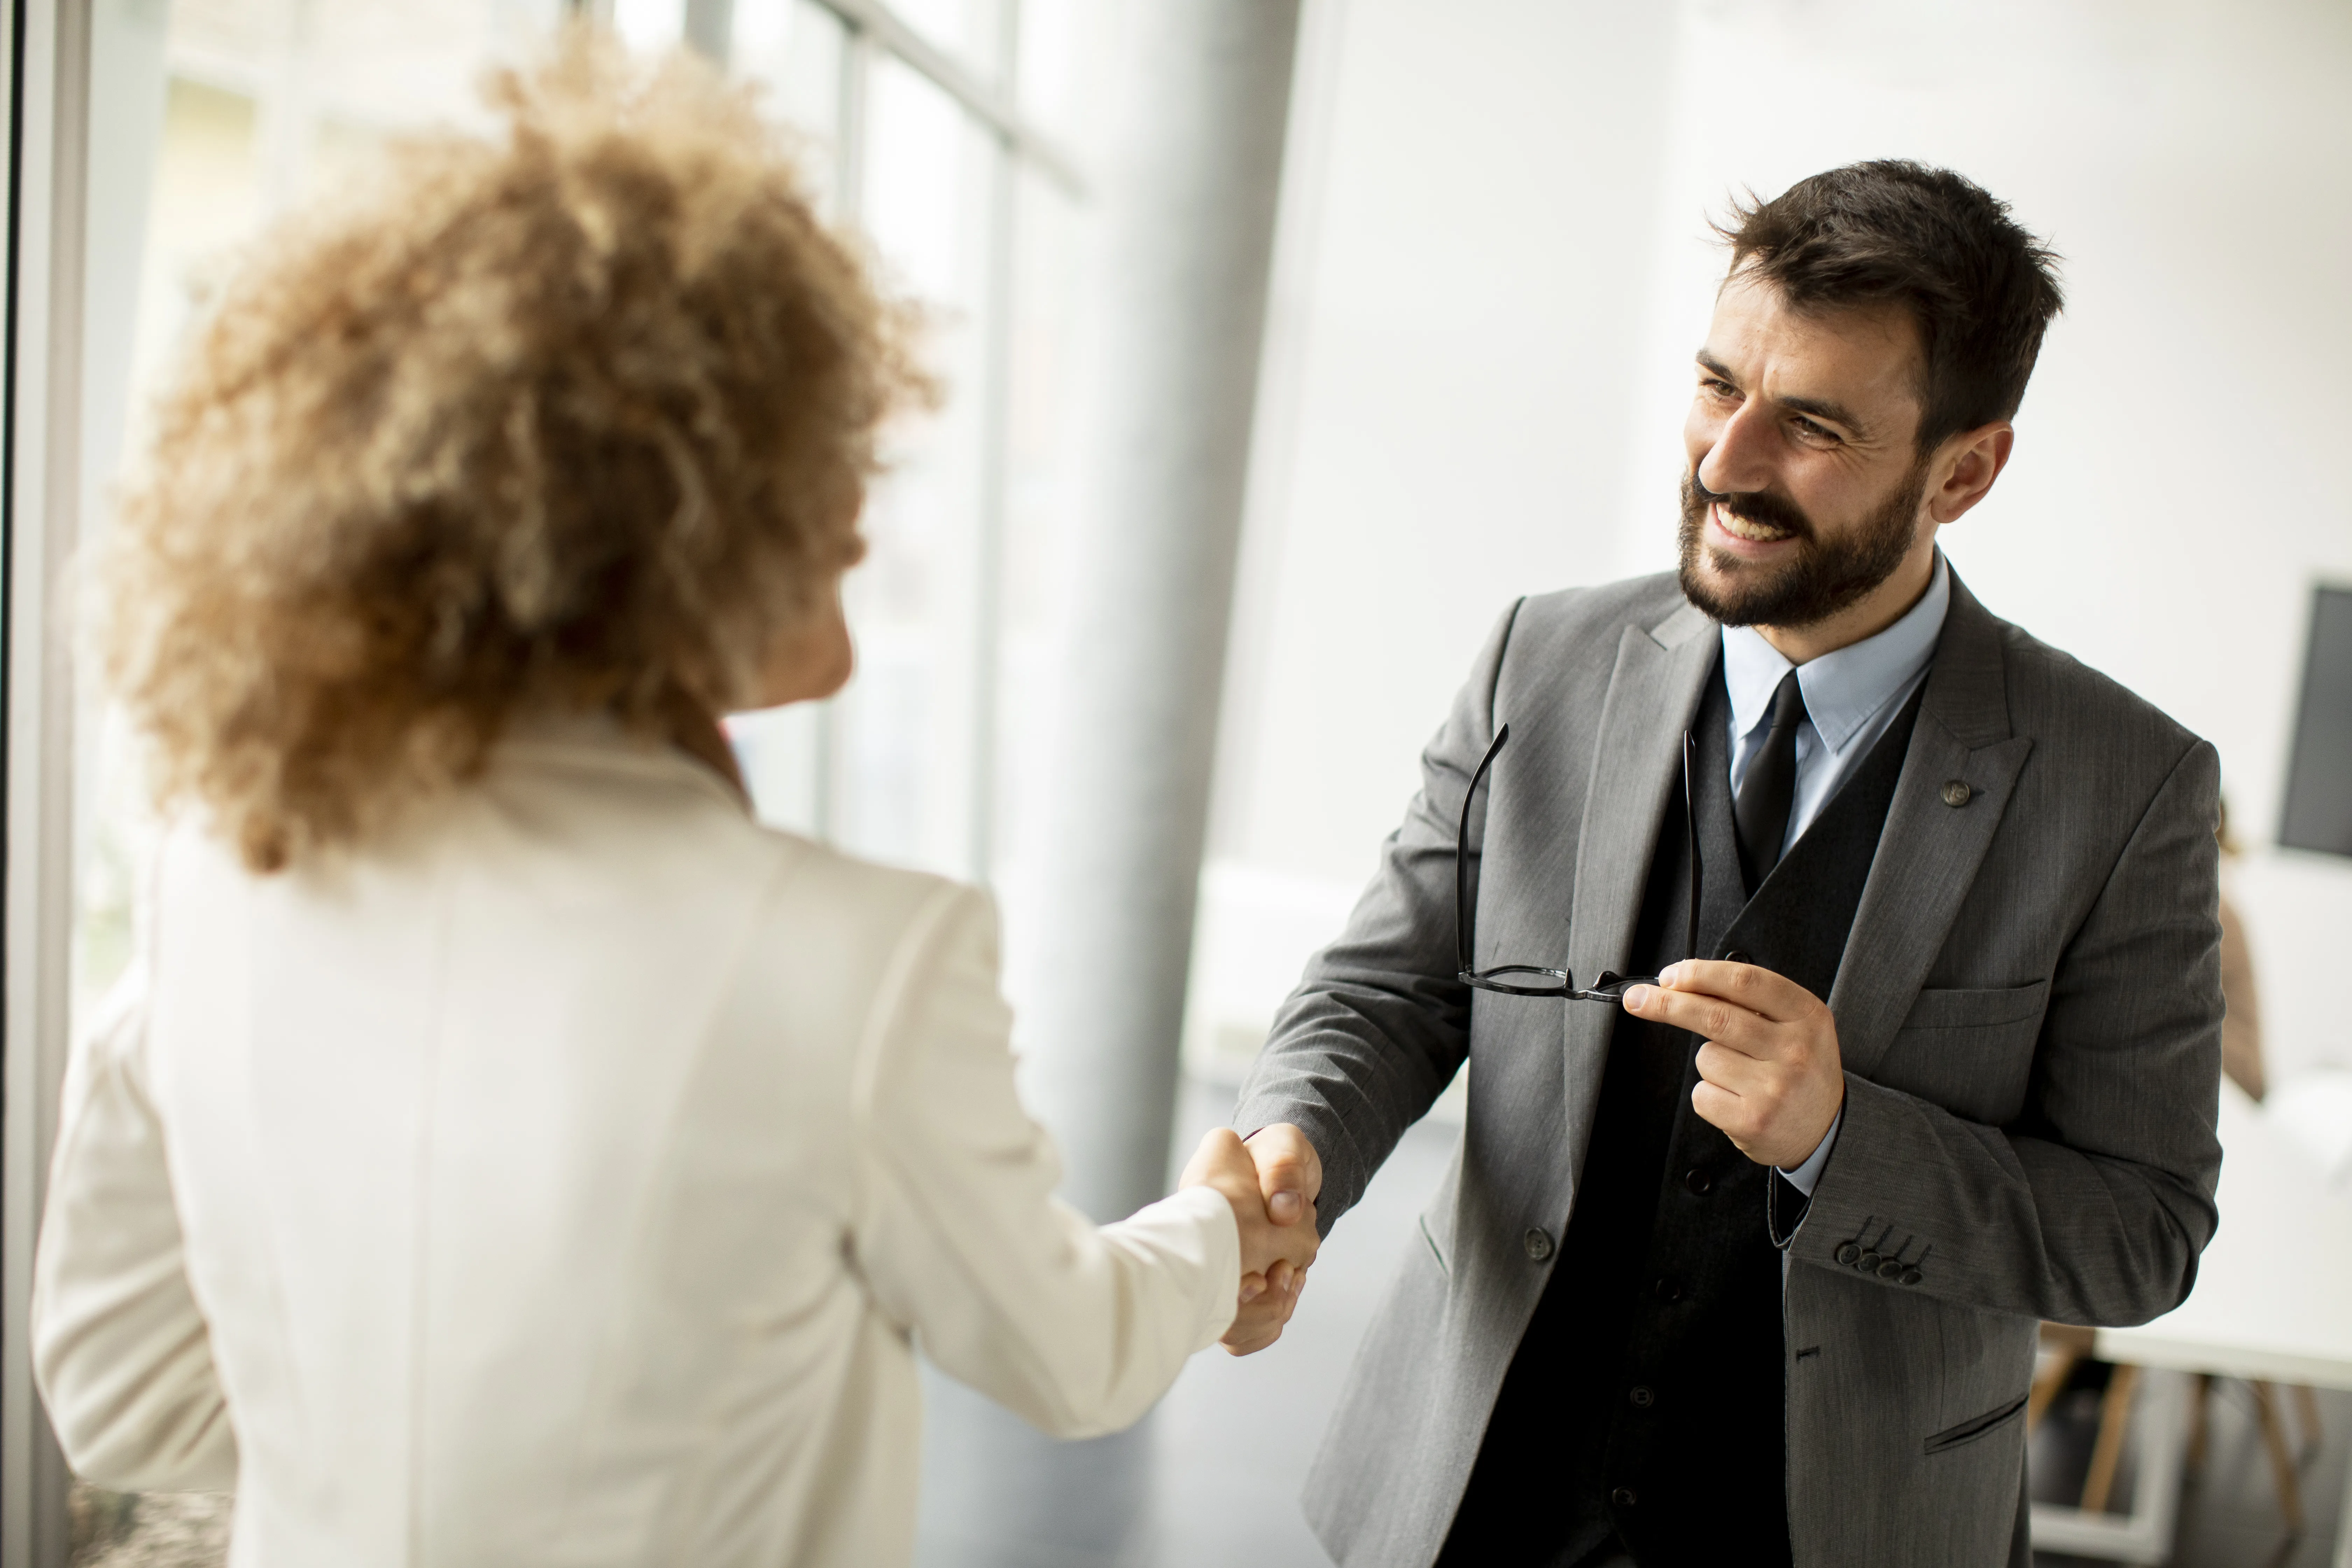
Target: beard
x,y
1818,580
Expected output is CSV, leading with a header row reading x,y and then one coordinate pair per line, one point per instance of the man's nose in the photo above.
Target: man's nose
x,y
1740,460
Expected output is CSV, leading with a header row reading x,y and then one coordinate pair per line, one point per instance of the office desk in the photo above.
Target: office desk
x,y
2273,1295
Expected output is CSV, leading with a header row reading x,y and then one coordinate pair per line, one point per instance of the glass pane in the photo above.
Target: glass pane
x,y
907,730
968,29
1061,43
649,24
1040,502
793,49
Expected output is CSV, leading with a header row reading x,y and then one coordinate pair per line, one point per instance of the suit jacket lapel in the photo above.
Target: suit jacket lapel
x,y
1929,849
1637,760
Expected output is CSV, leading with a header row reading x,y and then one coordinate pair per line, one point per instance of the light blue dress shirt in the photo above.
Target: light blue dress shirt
x,y
1850,696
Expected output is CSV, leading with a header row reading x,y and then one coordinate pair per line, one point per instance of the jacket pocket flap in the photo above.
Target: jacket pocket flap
x,y
1977,1009
1976,1426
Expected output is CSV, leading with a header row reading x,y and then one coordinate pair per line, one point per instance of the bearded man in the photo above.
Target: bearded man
x,y
1917,1034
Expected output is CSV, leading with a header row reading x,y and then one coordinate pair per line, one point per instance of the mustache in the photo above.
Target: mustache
x,y
1753,506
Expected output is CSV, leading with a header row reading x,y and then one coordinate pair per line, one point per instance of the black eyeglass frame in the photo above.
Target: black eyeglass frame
x,y
1611,985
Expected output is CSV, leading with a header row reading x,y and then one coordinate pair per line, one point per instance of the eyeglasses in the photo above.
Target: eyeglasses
x,y
1558,982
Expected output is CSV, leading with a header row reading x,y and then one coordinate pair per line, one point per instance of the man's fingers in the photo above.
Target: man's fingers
x,y
1708,1017
1289,1172
1718,1107
1734,1072
1748,986
1260,1323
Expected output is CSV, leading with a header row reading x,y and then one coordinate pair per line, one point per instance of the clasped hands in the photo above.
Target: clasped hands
x,y
1770,1073
1277,1232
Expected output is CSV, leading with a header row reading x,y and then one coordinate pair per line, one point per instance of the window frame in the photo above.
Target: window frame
x,y
40,447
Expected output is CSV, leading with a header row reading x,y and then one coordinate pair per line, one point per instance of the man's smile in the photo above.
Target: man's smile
x,y
1745,529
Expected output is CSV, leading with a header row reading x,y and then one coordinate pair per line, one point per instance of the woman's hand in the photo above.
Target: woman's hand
x,y
1274,1257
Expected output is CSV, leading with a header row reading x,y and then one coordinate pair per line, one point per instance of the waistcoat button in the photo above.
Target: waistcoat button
x,y
1668,1290
1734,956
1956,792
1623,1497
1539,1243
1699,1181
1642,1398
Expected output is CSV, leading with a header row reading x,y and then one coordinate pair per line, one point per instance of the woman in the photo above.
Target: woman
x,y
508,1151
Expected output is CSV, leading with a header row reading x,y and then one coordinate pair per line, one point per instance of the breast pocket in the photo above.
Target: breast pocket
x,y
1969,1051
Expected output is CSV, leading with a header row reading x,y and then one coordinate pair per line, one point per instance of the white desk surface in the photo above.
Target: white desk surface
x,y
2274,1295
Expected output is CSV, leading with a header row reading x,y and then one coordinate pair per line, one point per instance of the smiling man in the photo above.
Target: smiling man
x,y
1838,971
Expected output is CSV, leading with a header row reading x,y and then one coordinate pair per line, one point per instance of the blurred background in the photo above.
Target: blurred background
x,y
1168,701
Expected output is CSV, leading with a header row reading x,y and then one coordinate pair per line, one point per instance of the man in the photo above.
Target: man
x,y
1741,1262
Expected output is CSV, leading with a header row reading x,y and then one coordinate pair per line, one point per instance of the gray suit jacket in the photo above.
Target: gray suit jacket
x,y
2029,1010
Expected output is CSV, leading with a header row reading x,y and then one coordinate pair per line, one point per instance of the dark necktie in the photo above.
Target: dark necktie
x,y
1762,809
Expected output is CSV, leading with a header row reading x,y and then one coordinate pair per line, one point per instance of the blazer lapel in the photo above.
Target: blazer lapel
x,y
1929,849
1637,759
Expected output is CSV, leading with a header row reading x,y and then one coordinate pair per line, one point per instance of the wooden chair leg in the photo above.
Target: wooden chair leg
x,y
2114,1417
2046,1387
2306,1416
2281,1461
2200,1399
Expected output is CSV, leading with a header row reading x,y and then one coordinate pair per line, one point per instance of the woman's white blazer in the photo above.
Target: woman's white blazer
x,y
568,1180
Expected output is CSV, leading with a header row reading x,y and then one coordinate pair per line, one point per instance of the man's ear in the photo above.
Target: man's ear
x,y
1966,468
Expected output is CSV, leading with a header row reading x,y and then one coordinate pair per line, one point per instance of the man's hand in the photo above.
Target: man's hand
x,y
1274,1257
1289,1177
1770,1073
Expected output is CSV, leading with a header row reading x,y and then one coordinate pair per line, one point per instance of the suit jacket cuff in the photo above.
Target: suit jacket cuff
x,y
1867,1206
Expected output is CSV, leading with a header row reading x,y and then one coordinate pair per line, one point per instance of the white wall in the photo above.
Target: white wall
x,y
1496,271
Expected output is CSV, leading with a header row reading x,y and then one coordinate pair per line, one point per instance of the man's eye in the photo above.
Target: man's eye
x,y
1807,429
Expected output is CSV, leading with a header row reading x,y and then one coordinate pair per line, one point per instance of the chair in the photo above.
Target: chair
x,y
2068,1346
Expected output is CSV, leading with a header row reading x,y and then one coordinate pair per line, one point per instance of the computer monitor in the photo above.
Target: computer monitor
x,y
2318,813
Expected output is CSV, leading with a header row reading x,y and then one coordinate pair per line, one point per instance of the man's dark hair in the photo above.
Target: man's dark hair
x,y
1892,232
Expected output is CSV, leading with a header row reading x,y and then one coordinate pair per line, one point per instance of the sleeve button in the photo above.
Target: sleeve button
x,y
1848,1253
1539,1243
1868,1262
1911,1277
1890,1269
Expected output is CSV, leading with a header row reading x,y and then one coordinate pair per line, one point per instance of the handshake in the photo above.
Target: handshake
x,y
1271,1181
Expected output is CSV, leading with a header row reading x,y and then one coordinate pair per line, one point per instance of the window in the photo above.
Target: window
x,y
923,759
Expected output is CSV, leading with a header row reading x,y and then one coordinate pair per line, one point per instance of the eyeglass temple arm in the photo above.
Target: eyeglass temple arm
x,y
1690,826
1465,915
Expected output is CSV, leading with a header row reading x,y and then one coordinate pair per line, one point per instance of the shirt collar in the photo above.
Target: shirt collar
x,y
1842,688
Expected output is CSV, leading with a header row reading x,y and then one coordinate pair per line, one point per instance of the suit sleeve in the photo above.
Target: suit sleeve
x,y
2092,1206
121,1353
1076,1327
1379,1025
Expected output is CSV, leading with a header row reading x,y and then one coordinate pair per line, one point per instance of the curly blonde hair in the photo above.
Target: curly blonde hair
x,y
577,415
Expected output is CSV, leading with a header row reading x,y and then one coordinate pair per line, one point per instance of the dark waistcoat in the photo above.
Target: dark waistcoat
x,y
1645,1398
